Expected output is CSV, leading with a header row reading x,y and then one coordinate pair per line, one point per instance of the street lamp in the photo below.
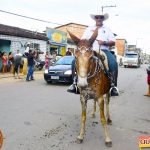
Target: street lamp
x,y
107,7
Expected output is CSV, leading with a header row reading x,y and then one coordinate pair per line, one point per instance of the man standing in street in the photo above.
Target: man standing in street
x,y
69,52
30,60
17,63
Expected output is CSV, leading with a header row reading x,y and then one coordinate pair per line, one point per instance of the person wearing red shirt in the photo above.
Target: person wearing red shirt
x,y
4,62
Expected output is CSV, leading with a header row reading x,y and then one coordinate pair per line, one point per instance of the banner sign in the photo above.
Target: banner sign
x,y
56,36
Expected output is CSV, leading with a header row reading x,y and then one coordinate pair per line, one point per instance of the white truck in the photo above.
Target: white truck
x,y
131,59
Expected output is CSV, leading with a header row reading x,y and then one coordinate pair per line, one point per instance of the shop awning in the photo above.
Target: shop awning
x,y
57,44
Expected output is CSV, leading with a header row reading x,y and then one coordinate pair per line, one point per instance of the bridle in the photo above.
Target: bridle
x,y
97,68
94,58
85,49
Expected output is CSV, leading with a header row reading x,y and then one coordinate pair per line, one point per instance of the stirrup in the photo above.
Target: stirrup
x,y
77,90
116,93
73,89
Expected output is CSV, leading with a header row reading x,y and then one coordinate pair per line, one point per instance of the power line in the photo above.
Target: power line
x,y
35,19
29,17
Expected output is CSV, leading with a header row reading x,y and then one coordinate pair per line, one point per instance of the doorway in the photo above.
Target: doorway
x,y
4,47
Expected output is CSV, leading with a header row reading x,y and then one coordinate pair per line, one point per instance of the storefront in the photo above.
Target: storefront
x,y
57,41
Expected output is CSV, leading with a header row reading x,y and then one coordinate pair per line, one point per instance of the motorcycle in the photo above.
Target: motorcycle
x,y
39,64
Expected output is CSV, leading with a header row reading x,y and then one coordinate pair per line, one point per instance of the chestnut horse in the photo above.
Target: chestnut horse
x,y
92,83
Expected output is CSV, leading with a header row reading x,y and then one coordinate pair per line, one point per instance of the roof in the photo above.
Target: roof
x,y
15,31
71,24
122,40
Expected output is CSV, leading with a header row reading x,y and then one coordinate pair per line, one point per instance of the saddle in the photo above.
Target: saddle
x,y
103,62
104,65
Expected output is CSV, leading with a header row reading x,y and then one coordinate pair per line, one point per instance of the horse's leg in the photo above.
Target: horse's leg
x,y
103,121
94,110
83,119
109,121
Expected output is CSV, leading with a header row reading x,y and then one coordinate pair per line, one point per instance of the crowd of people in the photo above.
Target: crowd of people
x,y
11,63
14,63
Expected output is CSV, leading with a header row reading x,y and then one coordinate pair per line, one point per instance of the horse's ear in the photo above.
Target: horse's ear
x,y
94,36
73,37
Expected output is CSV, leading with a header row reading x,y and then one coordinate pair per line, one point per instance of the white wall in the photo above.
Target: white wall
x,y
18,43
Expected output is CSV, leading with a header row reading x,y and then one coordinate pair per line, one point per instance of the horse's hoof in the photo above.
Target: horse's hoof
x,y
108,144
92,115
109,121
79,141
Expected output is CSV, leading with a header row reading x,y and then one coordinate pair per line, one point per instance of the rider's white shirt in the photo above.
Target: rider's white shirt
x,y
104,34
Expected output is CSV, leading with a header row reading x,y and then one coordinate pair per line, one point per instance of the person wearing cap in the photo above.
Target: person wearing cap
x,y
104,40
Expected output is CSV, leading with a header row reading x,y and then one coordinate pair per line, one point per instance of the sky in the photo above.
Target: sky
x,y
129,19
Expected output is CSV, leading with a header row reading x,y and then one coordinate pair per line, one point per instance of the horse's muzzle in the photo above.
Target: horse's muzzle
x,y
82,82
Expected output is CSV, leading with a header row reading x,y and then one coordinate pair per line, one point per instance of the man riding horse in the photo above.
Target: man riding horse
x,y
104,39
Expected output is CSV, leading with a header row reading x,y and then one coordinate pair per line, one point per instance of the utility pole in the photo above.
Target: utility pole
x,y
107,7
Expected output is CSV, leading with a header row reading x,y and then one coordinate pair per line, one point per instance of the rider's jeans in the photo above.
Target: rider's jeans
x,y
112,63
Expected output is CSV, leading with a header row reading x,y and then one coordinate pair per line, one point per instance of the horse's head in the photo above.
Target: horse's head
x,y
83,62
84,55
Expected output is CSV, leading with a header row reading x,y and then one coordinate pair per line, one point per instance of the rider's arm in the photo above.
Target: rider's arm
x,y
106,43
106,38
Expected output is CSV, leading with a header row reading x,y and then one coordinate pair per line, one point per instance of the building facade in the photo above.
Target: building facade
x,y
121,45
76,29
57,41
14,38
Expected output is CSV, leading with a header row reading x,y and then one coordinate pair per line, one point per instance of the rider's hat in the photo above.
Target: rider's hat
x,y
103,16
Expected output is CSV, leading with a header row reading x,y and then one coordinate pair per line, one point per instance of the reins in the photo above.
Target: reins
x,y
99,64
97,68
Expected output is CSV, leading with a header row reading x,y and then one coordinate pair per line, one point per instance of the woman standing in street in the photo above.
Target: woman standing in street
x,y
4,62
11,62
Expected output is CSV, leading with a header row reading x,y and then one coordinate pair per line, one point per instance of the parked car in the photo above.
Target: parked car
x,y
60,71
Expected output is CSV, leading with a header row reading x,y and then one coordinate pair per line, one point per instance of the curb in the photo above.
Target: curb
x,y
11,75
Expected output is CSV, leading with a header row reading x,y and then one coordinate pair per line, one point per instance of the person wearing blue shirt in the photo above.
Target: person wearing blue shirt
x,y
30,60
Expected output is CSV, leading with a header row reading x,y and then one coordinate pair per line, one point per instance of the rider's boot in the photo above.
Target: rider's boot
x,y
73,88
114,90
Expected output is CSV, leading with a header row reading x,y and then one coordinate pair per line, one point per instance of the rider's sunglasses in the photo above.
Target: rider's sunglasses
x,y
99,17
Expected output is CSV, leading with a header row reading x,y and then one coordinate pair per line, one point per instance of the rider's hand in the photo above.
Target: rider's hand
x,y
100,42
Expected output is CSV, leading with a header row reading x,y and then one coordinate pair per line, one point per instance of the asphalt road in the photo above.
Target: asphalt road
x,y
37,116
